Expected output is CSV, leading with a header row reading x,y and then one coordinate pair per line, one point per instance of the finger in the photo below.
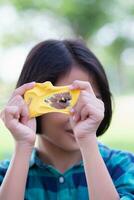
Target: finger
x,y
92,112
85,113
10,113
76,117
22,89
24,114
87,98
83,99
23,108
82,85
89,111
16,100
72,122
100,104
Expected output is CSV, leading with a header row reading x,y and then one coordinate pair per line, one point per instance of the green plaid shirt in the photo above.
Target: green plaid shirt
x,y
44,182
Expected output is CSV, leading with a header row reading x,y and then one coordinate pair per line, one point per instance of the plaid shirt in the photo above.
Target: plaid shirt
x,y
44,182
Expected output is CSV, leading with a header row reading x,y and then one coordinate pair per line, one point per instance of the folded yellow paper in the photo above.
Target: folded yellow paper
x,y
45,98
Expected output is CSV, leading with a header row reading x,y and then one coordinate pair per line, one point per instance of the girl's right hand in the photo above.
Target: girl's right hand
x,y
16,117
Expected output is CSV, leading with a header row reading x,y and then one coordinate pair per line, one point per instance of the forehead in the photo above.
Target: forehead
x,y
78,73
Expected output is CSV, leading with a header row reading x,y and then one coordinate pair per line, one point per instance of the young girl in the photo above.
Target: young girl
x,y
68,162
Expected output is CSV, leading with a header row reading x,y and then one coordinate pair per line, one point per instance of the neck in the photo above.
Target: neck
x,y
55,156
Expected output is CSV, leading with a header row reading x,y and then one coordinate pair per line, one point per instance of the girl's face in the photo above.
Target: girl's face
x,y
56,128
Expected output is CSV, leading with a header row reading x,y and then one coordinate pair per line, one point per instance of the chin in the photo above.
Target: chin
x,y
69,147
68,143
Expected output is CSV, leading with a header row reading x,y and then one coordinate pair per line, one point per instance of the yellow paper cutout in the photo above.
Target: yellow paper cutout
x,y
45,98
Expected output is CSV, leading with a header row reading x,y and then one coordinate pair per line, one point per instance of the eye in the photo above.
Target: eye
x,y
63,100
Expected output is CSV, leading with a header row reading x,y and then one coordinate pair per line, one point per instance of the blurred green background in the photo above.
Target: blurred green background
x,y
108,29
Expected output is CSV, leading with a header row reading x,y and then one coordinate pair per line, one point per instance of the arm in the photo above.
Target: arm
x,y
13,186
15,116
87,116
100,184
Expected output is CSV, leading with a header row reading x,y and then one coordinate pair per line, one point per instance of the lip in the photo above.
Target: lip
x,y
71,134
70,131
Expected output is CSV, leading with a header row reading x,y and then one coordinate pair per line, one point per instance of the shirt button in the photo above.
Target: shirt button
x,y
61,179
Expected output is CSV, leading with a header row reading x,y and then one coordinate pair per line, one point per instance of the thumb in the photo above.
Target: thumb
x,y
72,122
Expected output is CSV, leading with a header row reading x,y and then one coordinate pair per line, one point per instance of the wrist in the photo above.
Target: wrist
x,y
89,142
23,147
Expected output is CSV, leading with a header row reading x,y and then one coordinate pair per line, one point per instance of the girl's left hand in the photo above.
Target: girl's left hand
x,y
88,112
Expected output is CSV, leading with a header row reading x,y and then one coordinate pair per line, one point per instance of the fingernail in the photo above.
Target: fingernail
x,y
73,118
71,87
72,110
32,83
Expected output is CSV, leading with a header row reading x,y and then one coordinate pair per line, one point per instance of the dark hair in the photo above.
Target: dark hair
x,y
51,59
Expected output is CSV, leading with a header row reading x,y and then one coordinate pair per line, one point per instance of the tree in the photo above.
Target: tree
x,y
86,18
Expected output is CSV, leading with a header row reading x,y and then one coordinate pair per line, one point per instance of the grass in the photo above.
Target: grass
x,y
120,135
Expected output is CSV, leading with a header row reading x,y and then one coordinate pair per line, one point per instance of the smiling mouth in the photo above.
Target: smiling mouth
x,y
70,131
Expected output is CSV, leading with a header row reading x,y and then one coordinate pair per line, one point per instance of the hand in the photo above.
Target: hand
x,y
88,112
16,117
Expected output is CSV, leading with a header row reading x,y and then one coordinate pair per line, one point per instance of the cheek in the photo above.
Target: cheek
x,y
53,121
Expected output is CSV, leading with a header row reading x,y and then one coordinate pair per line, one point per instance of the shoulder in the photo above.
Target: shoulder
x,y
4,164
115,156
118,162
120,165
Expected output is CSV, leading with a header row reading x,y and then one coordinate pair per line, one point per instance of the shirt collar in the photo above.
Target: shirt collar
x,y
35,160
